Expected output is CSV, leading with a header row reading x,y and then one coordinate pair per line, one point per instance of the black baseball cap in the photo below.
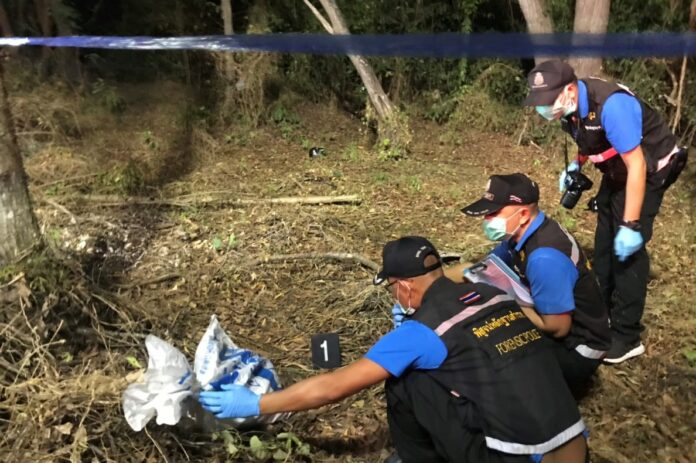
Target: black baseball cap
x,y
504,190
546,82
405,258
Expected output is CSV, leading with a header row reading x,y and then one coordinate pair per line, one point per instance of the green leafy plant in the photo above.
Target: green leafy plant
x,y
108,97
414,182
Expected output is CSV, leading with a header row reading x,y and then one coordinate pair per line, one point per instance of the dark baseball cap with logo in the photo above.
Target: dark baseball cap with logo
x,y
405,258
546,82
504,190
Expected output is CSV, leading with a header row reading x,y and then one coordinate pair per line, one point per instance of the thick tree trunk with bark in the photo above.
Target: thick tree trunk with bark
x,y
591,17
538,21
18,229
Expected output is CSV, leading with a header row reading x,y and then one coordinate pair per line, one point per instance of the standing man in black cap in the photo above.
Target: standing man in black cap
x,y
468,377
568,304
639,157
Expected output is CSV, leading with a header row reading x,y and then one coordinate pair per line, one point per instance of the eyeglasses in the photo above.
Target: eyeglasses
x,y
389,285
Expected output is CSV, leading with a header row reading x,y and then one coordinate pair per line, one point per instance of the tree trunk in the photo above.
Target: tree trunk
x,y
591,17
393,126
18,229
538,22
5,26
692,16
226,11
378,97
42,8
68,59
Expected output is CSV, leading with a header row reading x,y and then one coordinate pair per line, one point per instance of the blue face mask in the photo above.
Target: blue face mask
x,y
546,112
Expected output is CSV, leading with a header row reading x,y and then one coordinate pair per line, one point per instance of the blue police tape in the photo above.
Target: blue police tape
x,y
503,45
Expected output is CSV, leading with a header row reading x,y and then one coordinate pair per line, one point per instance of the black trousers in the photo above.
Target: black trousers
x,y
427,424
578,371
624,284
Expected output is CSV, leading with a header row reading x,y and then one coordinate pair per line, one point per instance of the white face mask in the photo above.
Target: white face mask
x,y
565,103
564,106
408,311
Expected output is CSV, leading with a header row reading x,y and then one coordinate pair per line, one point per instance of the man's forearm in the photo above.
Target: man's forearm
x,y
556,326
311,393
635,184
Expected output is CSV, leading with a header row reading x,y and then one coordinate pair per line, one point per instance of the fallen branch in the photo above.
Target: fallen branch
x,y
339,256
151,281
117,201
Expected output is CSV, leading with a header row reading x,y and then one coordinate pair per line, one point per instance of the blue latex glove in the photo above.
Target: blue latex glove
x,y
397,315
572,167
233,401
627,242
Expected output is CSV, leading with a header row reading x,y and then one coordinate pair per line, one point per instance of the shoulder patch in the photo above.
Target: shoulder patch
x,y
470,297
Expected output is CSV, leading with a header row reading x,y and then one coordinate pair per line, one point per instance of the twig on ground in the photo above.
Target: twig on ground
x,y
116,201
339,256
151,281
61,208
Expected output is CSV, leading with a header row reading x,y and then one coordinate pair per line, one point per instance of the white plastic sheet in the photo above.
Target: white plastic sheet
x,y
170,380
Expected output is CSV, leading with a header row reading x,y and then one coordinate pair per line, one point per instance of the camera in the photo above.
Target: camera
x,y
575,182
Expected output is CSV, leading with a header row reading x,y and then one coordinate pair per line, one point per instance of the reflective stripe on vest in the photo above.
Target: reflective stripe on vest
x,y
603,156
590,353
469,311
544,447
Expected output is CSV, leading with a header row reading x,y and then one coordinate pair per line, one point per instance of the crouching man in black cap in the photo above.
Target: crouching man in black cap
x,y
468,377
568,304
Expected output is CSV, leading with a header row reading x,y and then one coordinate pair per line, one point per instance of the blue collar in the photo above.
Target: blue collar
x,y
583,104
536,223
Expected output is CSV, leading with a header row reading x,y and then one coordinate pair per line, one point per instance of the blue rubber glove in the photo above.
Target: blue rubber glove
x,y
233,401
397,315
627,242
572,167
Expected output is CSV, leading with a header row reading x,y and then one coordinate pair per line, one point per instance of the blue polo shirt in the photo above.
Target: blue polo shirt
x,y
551,274
622,118
410,346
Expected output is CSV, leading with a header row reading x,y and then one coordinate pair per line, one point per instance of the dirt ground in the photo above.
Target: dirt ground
x,y
177,264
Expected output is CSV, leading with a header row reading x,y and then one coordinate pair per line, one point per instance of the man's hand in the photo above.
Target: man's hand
x,y
572,167
627,242
233,401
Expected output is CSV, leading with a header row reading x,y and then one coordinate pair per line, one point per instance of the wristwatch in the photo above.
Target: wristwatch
x,y
632,224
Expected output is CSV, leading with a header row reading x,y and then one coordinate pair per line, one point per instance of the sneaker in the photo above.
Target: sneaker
x,y
621,351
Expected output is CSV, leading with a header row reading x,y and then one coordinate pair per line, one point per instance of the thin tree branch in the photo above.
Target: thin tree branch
x,y
324,22
677,114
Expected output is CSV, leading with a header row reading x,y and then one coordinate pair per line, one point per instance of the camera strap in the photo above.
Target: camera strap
x,y
565,152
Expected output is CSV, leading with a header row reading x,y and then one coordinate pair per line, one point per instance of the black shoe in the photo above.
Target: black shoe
x,y
621,351
393,458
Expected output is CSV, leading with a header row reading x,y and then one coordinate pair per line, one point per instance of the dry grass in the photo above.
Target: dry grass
x,y
70,334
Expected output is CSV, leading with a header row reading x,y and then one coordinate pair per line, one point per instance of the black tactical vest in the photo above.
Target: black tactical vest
x,y
590,326
658,141
499,361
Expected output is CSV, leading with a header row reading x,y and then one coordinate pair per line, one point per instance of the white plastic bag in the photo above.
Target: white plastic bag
x,y
169,380
219,361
